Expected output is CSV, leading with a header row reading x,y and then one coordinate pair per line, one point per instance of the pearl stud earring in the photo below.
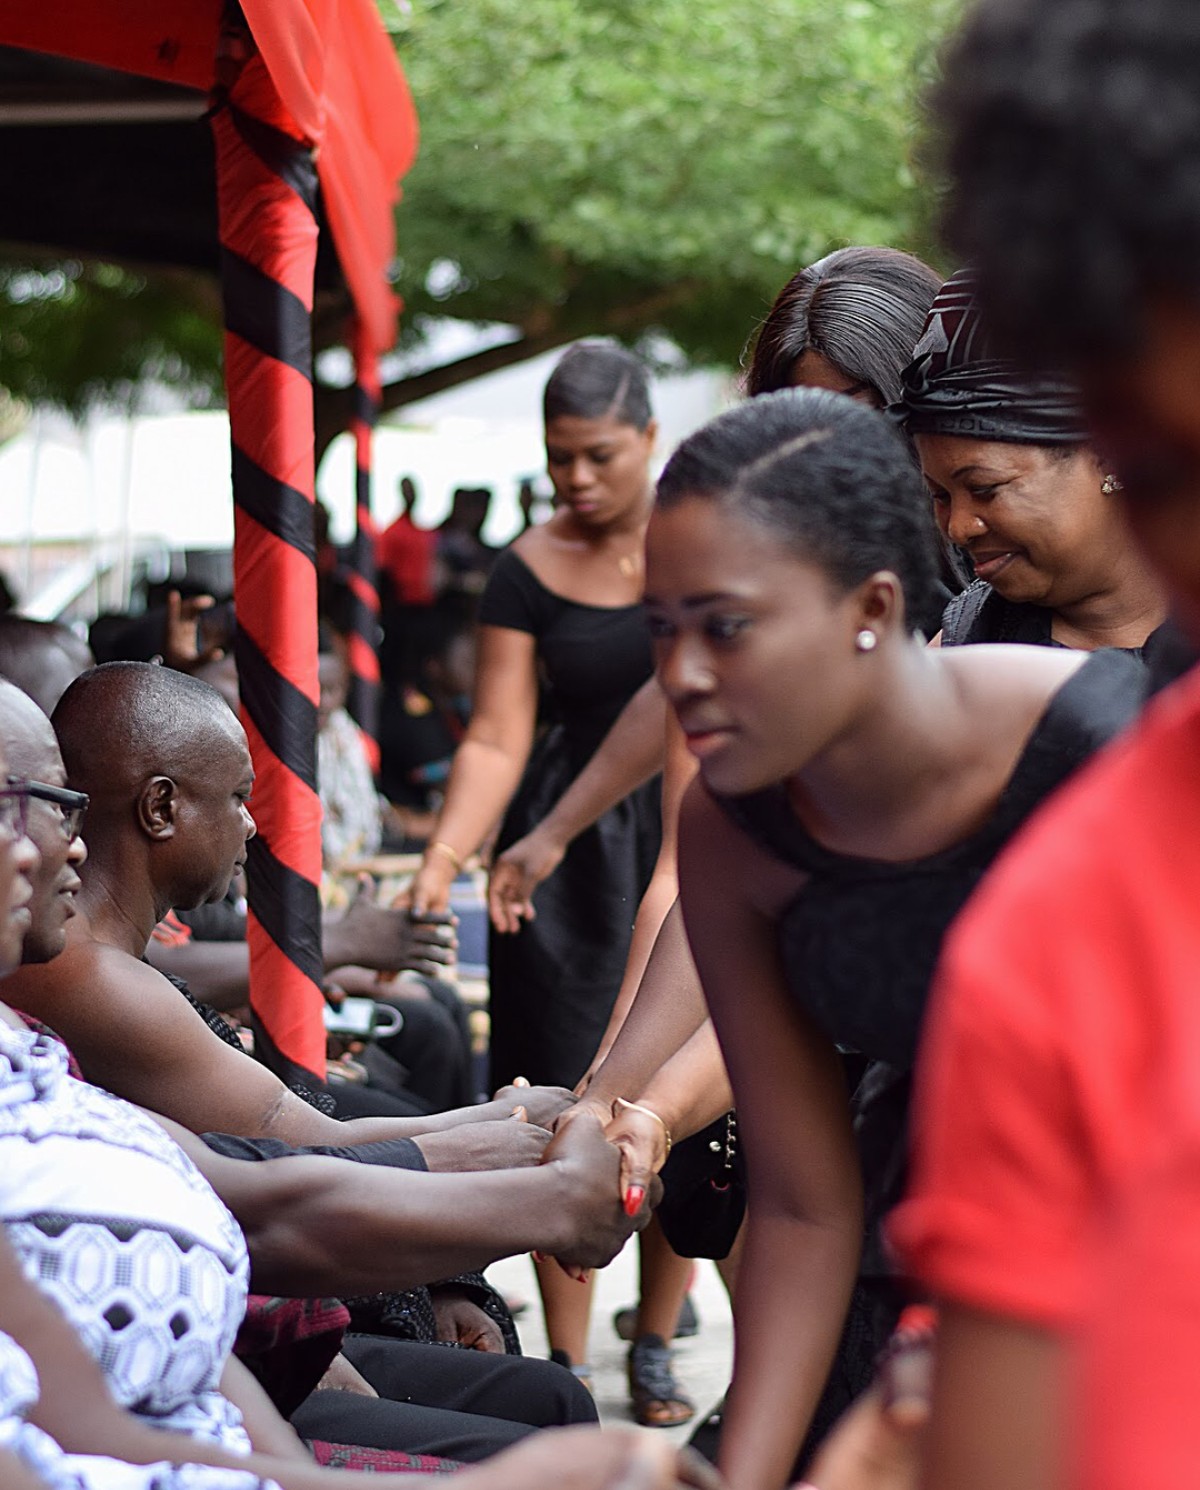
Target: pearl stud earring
x,y
865,640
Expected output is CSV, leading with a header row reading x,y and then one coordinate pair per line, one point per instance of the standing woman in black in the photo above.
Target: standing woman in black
x,y
563,641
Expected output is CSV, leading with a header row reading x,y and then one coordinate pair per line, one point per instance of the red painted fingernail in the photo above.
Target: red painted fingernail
x,y
633,1199
918,1319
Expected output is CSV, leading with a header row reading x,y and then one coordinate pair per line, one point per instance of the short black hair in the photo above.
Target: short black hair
x,y
830,478
1070,131
861,308
594,379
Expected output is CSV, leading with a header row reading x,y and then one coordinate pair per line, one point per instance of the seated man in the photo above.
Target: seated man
x,y
461,1404
166,1263
424,1067
168,772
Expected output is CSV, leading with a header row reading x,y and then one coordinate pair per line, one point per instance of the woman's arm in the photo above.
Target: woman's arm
x,y
660,998
663,889
487,765
668,1010
628,756
996,1419
804,1230
691,1091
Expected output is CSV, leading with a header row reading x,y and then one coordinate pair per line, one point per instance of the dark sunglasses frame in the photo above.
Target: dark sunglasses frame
x,y
73,804
15,818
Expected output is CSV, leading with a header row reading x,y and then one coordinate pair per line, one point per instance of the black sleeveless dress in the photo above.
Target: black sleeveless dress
x,y
554,982
979,614
860,943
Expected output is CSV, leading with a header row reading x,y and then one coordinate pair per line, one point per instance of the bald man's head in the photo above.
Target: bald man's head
x,y
32,753
41,657
166,766
122,722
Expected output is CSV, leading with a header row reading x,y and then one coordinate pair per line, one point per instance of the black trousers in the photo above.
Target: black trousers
x,y
457,1404
434,1046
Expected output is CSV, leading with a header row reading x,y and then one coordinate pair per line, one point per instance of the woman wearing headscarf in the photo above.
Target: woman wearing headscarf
x,y
1019,489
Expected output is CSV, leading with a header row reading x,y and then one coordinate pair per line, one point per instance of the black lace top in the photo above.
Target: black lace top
x,y
861,939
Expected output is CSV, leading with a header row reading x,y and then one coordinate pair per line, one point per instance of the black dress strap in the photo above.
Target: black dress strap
x,y
1100,699
979,614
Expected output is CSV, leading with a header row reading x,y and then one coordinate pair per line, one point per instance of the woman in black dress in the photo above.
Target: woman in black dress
x,y
854,786
562,640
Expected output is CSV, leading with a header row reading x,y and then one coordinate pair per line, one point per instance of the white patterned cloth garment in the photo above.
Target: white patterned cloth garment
x,y
113,1221
59,1471
351,825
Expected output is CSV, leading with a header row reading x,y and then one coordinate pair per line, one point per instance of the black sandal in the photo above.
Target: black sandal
x,y
624,1321
657,1399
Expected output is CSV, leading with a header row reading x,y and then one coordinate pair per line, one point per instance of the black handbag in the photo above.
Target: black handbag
x,y
704,1191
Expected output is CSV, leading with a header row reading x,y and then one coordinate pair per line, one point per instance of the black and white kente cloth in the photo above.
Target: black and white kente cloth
x,y
115,1223
59,1471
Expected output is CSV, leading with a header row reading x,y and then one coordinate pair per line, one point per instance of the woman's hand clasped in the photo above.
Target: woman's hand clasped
x,y
516,874
595,1222
643,1144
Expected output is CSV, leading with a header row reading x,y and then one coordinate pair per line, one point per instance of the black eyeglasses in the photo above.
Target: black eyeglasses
x,y
14,807
71,805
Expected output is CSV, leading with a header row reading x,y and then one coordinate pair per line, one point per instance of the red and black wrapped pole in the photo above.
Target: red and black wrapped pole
x,y
362,701
266,196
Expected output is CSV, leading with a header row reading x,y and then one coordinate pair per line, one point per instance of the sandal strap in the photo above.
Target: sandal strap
x,y
650,1374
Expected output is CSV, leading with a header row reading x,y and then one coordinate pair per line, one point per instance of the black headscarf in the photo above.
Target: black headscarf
x,y
956,385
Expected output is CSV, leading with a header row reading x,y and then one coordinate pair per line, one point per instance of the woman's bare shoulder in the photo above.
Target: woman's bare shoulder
x,y
1009,676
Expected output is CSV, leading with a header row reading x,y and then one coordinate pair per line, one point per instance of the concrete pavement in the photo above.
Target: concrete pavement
x,y
702,1364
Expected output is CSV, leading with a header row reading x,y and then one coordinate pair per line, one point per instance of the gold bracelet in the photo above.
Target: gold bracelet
x,y
648,1112
438,847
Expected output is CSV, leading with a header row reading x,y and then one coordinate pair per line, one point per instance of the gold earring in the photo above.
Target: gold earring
x,y
1110,486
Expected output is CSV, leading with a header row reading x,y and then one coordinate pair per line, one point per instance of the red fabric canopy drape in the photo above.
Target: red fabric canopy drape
x,y
319,83
335,71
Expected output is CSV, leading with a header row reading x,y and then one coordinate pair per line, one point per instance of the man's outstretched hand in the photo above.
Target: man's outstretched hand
x,y
390,939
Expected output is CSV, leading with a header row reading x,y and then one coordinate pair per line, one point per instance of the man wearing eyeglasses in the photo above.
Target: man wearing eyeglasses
x,y
36,800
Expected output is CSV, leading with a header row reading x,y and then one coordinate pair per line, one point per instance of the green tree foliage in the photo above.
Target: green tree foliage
x,y
73,333
607,164
586,166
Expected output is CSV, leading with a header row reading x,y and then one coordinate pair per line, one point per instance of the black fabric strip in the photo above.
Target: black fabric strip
x,y
292,1075
362,488
362,704
288,908
290,160
283,716
281,509
364,406
263,312
363,556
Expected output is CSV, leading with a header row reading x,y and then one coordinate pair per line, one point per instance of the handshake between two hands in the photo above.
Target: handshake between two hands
x,y
620,1159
